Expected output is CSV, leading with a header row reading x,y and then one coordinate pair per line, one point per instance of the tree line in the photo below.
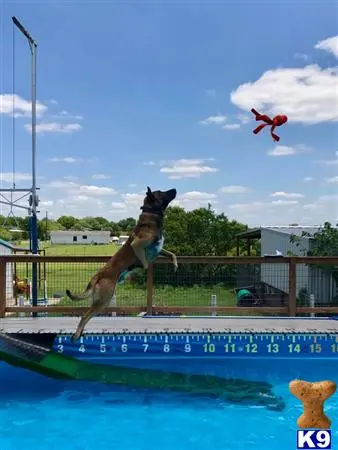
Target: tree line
x,y
201,231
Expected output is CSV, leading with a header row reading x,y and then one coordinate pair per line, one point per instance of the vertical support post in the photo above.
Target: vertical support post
x,y
150,286
237,246
248,246
2,287
292,304
34,229
312,304
213,303
34,264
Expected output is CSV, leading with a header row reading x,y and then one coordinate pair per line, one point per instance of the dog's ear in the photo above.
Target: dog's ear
x,y
150,195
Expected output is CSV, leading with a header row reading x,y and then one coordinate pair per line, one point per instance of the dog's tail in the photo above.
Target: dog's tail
x,y
87,293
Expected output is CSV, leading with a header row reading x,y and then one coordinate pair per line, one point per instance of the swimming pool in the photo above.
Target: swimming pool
x,y
41,413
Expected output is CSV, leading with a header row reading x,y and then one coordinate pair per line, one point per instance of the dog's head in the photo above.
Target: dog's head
x,y
157,201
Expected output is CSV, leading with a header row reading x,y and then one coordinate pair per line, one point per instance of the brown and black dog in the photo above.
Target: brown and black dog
x,y
142,247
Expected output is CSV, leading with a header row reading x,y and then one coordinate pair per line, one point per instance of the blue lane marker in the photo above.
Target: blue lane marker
x,y
126,346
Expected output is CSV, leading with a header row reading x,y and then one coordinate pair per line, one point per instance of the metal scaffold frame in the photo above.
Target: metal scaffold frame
x,y
32,191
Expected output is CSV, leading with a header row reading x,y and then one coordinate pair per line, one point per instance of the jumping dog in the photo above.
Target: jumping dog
x,y
142,247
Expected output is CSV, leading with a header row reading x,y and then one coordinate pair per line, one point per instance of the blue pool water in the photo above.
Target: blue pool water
x,y
45,414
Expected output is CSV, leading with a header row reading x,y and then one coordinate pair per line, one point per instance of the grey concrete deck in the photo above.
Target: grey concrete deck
x,y
169,325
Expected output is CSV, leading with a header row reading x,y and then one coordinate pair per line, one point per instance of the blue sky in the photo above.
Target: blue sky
x,y
132,94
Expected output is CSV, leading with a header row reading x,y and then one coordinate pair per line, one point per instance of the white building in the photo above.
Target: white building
x,y
80,237
122,240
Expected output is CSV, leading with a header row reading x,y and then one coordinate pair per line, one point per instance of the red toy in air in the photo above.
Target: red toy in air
x,y
275,122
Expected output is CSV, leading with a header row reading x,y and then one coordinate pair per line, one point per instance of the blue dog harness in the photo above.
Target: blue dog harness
x,y
151,252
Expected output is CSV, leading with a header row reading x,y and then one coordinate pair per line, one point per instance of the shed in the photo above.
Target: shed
x,y
80,237
317,282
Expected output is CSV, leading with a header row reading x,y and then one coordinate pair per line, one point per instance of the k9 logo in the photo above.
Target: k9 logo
x,y
314,439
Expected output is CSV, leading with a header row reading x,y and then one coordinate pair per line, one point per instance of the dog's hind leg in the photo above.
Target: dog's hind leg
x,y
92,311
104,291
172,256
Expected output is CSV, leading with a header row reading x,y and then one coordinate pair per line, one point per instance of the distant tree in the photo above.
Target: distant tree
x,y
5,235
200,232
127,224
323,243
114,229
67,221
94,223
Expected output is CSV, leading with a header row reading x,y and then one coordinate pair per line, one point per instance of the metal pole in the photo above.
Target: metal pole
x,y
33,198
35,243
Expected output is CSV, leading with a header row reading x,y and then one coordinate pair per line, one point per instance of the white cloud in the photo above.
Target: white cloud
x,y
133,198
243,118
79,206
75,189
328,162
46,203
328,198
211,92
231,126
100,176
332,179
96,190
194,199
149,163
132,185
285,150
284,202
247,207
189,200
234,189
287,194
311,206
60,184
282,150
118,206
22,107
214,120
307,179
187,168
197,195
285,211
329,45
7,177
67,159
306,95
66,115
54,127
79,198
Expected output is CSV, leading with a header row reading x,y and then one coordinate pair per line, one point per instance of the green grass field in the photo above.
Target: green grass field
x,y
75,276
